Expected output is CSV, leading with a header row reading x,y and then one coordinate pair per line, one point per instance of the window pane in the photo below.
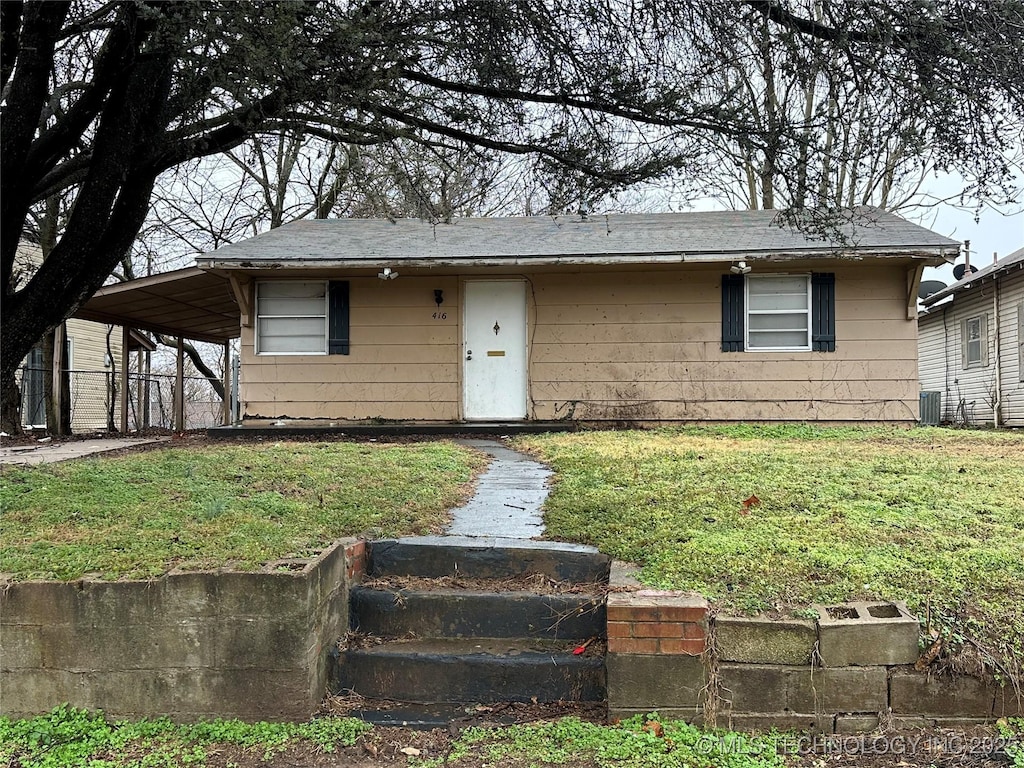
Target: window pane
x,y
293,334
780,322
974,351
291,290
777,293
777,339
292,317
287,307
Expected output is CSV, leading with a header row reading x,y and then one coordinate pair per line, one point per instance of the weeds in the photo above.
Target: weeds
x,y
639,742
76,738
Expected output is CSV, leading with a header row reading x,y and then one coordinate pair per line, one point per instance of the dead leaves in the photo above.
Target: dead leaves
x,y
748,503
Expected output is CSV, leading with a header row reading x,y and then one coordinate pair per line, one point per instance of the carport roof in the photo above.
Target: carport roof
x,y
189,302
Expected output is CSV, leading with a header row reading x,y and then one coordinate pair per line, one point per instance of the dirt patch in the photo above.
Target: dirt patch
x,y
478,715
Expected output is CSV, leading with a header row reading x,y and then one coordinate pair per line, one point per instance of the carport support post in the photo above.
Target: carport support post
x,y
179,387
226,409
125,340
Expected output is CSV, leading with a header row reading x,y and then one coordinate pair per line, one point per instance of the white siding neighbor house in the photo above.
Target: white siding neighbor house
x,y
971,346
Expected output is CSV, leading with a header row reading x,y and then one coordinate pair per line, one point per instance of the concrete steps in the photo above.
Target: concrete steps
x,y
430,648
446,612
464,670
477,557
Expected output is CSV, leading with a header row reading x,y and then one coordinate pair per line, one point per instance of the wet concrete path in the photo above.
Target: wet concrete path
x,y
508,497
48,452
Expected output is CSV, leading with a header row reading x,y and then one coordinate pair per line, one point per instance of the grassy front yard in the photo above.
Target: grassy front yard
x,y
140,515
933,517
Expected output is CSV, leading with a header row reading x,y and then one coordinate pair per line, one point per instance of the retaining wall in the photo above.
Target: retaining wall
x,y
187,645
839,673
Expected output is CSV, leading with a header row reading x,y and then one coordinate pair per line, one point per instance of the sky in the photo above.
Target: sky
x,y
998,229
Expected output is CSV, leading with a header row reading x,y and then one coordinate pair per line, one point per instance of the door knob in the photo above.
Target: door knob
x,y
469,354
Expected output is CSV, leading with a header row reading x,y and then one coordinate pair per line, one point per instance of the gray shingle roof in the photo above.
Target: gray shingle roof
x,y
707,236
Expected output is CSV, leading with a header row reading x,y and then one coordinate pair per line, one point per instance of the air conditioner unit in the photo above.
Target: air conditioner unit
x,y
931,409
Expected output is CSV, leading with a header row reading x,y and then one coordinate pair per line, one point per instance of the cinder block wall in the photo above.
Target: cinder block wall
x,y
187,645
838,673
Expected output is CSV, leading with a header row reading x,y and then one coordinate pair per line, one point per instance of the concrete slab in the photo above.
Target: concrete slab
x,y
508,499
50,452
486,557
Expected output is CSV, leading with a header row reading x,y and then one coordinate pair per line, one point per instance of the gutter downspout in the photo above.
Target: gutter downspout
x,y
998,400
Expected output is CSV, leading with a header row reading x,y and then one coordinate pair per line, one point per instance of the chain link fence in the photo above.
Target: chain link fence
x,y
95,400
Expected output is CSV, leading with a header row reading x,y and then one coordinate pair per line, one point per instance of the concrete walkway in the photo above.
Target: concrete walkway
x,y
47,453
508,497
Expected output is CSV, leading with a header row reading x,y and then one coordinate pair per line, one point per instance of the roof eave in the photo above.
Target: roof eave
x,y
931,255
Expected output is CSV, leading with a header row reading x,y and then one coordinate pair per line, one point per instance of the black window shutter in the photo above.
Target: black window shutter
x,y
732,313
823,312
337,318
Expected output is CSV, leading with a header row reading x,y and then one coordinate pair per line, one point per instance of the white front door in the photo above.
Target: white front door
x,y
494,350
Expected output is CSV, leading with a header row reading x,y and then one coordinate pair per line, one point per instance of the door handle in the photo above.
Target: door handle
x,y
469,354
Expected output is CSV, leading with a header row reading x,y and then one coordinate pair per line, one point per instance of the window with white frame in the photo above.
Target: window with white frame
x,y
778,312
291,318
974,338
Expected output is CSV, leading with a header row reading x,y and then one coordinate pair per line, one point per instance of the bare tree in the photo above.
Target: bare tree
x,y
101,98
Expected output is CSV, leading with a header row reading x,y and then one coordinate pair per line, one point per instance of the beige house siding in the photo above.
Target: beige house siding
x,y
606,344
637,348
89,375
403,362
969,393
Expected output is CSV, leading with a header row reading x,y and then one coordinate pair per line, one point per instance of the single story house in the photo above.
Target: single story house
x,y
722,316
971,342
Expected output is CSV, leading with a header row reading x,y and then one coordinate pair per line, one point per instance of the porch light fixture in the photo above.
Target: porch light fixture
x,y
740,269
438,296
387,274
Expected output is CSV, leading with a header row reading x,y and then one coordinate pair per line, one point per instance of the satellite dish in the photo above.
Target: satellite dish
x,y
961,269
928,287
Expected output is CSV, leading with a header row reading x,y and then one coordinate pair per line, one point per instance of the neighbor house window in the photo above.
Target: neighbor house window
x,y
974,338
778,313
302,318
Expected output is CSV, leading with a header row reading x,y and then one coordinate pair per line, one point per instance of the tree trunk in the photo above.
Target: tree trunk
x,y
10,404
197,361
50,401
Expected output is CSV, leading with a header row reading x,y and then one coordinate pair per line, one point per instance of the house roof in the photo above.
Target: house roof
x,y
187,302
615,238
200,304
1015,261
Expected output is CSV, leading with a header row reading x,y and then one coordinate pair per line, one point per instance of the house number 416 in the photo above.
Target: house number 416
x,y
440,315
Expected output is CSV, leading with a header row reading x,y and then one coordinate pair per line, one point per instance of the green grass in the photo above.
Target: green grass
x,y
933,517
674,744
76,738
140,515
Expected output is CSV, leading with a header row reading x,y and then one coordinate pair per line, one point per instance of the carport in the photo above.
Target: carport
x,y
188,304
